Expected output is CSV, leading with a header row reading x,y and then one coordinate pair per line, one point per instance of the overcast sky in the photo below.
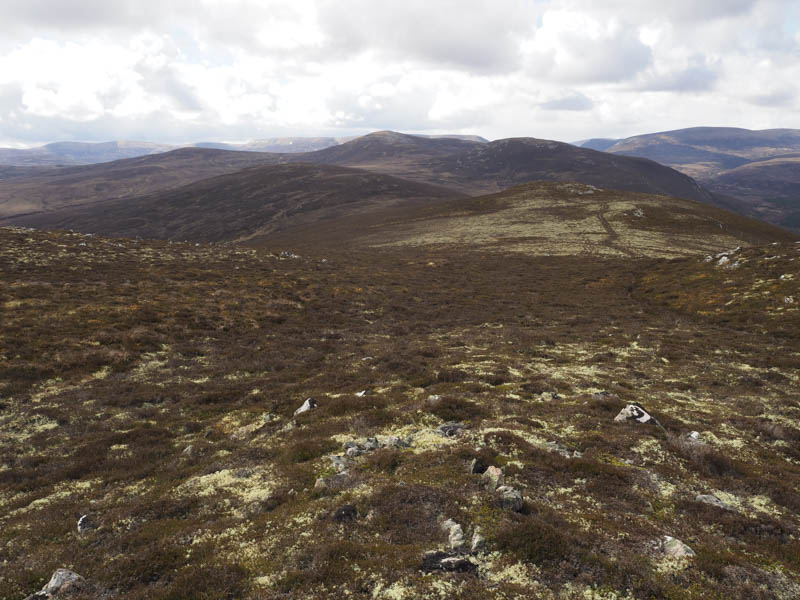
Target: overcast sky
x,y
201,70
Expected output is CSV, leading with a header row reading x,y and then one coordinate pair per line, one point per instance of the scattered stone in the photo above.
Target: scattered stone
x,y
674,548
455,535
340,463
188,451
638,213
561,449
712,500
510,499
450,429
444,561
345,513
85,524
371,444
352,452
492,478
309,404
478,541
597,396
693,436
723,260
477,467
788,300
636,412
62,583
394,442
361,394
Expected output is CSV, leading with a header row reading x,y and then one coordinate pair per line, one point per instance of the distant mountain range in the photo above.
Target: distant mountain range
x,y
85,153
759,171
462,166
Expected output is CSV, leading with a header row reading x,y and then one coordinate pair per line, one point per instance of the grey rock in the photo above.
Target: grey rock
x,y
348,445
712,500
478,543
455,535
85,524
371,444
450,429
674,548
352,452
309,404
188,451
340,463
492,478
63,582
510,499
636,412
693,436
444,561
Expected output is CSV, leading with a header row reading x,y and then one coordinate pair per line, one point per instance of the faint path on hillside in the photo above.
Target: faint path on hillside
x,y
613,237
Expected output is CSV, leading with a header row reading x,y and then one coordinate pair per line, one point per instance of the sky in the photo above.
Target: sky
x,y
177,71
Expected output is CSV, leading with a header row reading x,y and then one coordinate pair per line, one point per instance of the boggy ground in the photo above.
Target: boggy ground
x,y
152,386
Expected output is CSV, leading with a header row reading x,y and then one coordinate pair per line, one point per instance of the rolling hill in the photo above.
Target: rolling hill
x,y
126,178
478,168
759,168
238,206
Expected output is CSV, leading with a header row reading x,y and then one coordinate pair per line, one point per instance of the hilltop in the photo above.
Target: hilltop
x,y
251,202
152,386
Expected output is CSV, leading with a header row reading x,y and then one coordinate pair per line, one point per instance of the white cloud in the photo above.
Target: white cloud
x,y
177,70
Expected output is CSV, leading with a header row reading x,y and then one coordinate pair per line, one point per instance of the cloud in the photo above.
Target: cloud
x,y
176,70
699,75
574,102
579,48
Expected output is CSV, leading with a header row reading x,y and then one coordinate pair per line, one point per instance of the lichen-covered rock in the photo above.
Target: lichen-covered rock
x,y
712,500
448,562
478,541
455,535
492,478
510,499
450,429
674,548
63,583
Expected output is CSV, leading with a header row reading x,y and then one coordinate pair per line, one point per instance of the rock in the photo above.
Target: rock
x,y
309,404
712,500
353,452
674,548
636,412
361,394
510,499
478,541
693,436
321,484
340,463
723,260
492,478
455,535
85,524
345,513
597,396
450,429
788,300
371,444
62,583
444,561
477,467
